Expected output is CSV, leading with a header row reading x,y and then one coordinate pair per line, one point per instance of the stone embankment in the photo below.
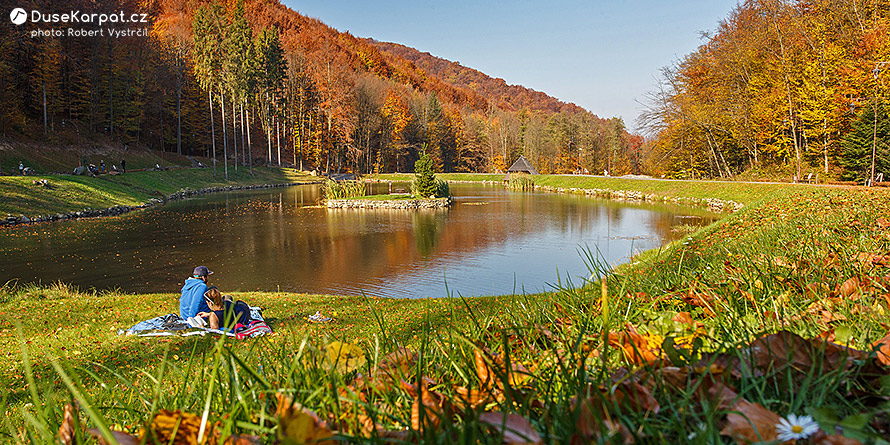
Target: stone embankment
x,y
432,203
714,204
11,220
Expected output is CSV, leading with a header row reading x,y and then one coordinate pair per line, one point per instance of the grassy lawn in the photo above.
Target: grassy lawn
x,y
386,197
72,193
732,191
778,309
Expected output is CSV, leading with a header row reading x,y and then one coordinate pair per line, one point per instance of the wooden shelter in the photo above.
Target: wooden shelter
x,y
521,167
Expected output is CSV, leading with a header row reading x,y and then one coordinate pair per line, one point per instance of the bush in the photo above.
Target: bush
x,y
521,183
425,184
342,189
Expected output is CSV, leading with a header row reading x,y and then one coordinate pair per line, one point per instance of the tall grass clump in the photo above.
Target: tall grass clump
x,y
521,183
343,189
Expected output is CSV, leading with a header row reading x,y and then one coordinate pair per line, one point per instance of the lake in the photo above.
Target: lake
x,y
490,242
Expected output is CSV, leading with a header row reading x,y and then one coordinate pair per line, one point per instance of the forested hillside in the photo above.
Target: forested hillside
x,y
801,84
285,89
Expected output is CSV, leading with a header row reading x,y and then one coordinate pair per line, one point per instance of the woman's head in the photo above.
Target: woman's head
x,y
213,297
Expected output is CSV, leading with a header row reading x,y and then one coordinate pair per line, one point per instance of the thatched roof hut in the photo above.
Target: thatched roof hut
x,y
521,166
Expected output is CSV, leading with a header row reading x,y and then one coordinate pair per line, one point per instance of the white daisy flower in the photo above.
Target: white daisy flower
x,y
794,427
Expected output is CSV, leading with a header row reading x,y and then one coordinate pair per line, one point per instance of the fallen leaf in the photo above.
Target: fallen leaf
x,y
883,350
121,438
777,352
883,222
429,408
471,398
820,438
685,318
66,430
638,349
751,423
178,427
514,428
298,425
593,420
345,357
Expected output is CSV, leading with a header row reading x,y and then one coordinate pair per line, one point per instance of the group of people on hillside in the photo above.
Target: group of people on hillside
x,y
200,300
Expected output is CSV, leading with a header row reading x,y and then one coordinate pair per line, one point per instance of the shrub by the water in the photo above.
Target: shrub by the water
x,y
342,189
521,183
425,184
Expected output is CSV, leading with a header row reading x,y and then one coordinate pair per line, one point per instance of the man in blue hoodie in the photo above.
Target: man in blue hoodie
x,y
192,299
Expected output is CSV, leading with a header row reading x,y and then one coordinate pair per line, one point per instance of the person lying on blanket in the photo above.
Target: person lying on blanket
x,y
223,312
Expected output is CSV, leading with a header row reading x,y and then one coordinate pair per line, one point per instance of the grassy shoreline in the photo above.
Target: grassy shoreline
x,y
68,193
674,325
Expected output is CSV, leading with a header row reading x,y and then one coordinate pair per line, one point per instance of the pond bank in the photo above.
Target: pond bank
x,y
358,203
53,198
726,196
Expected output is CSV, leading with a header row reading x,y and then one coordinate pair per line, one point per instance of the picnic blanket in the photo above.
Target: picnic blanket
x,y
172,324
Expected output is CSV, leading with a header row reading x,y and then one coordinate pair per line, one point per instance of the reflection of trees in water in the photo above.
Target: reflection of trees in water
x,y
263,239
428,227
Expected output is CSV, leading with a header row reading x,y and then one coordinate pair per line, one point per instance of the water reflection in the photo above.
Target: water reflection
x,y
490,242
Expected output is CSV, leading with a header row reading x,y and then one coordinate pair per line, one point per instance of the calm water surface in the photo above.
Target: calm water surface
x,y
490,241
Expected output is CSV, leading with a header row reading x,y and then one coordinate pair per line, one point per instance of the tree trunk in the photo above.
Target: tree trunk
x,y
179,118
44,107
241,115
222,106
212,129
249,145
235,134
278,140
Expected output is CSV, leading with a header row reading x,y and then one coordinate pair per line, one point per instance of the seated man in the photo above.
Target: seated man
x,y
192,299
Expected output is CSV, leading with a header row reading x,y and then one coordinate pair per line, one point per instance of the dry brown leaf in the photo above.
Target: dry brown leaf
x,y
685,318
491,369
429,408
300,425
121,438
472,398
751,423
594,419
398,364
66,430
486,376
179,427
632,395
820,438
638,349
849,287
242,439
514,428
782,350
883,350
883,223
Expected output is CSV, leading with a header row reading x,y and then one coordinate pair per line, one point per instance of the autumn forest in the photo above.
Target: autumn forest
x,y
251,81
802,84
789,87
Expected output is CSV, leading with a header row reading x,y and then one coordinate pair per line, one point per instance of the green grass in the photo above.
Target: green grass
x,y
73,193
386,197
63,158
783,263
743,193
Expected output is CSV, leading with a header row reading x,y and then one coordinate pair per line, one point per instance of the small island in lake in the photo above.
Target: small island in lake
x,y
427,192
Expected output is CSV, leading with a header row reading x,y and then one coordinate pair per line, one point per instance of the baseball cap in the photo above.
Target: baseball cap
x,y
202,271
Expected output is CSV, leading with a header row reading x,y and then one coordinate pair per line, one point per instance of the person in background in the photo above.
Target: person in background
x,y
21,168
102,166
191,300
123,165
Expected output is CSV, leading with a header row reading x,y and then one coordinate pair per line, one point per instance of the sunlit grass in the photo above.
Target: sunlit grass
x,y
780,264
